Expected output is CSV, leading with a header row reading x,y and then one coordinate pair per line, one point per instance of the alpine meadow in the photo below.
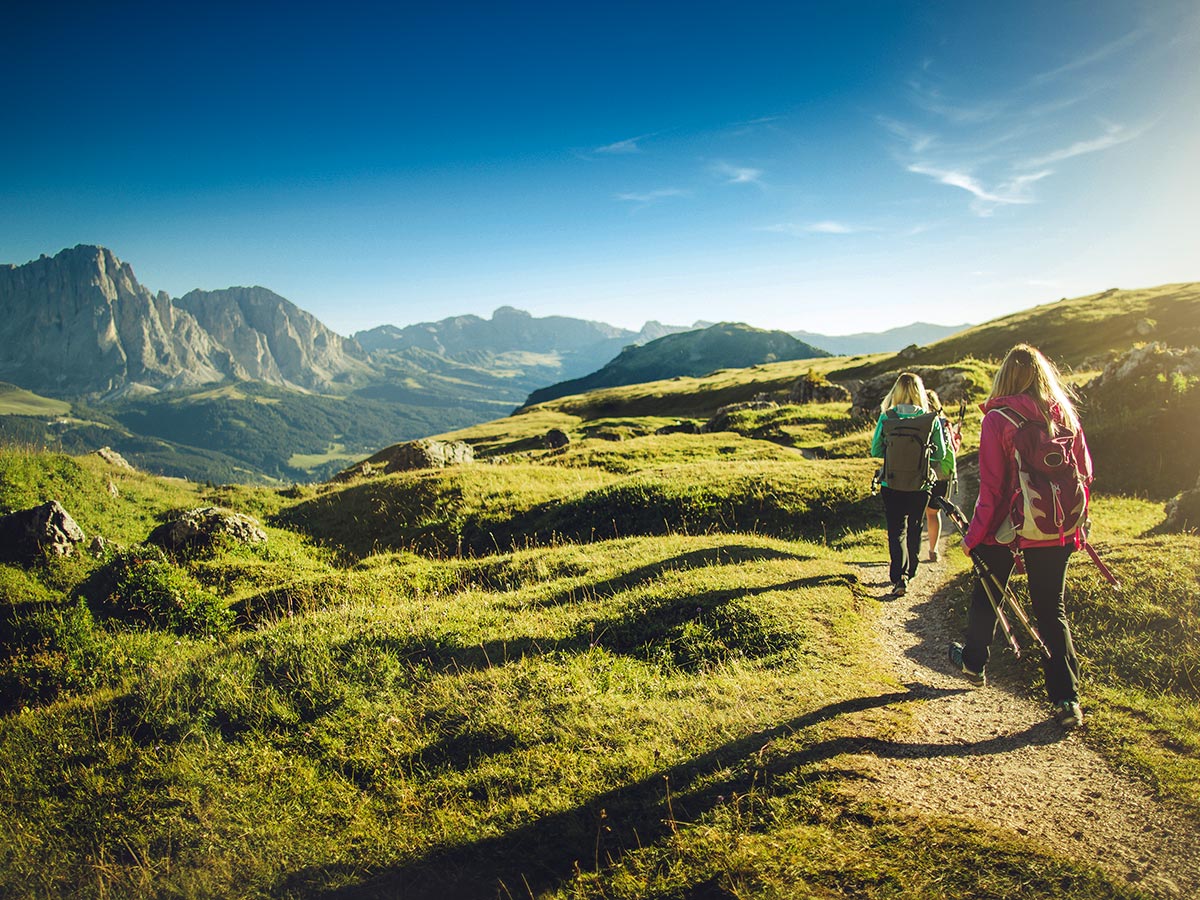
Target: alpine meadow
x,y
634,644
600,450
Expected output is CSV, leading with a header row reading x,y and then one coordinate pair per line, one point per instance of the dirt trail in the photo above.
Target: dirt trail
x,y
992,756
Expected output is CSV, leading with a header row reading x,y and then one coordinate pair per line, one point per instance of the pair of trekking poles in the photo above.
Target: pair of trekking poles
x,y
1000,594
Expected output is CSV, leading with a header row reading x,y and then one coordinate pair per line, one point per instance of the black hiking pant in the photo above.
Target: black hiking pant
x,y
904,511
1046,568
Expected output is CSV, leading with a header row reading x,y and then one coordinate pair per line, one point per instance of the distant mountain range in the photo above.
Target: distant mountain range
x,y
241,382
889,341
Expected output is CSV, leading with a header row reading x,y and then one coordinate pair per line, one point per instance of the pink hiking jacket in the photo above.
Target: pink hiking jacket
x,y
998,471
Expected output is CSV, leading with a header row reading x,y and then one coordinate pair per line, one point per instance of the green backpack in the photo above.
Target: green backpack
x,y
907,447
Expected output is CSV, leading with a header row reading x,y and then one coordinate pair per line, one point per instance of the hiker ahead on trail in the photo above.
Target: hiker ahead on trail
x,y
1034,469
946,472
910,443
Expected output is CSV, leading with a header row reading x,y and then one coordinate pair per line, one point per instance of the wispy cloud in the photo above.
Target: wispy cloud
x,y
1015,190
646,198
933,100
738,174
1113,135
798,229
918,141
629,145
830,227
1088,59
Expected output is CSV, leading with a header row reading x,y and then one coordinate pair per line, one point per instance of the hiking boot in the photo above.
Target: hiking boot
x,y
979,679
933,556
1068,714
900,588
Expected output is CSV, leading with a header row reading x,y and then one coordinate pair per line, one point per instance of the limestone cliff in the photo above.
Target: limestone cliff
x,y
79,323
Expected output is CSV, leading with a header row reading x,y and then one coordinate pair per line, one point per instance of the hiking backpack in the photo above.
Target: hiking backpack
x,y
1051,498
907,446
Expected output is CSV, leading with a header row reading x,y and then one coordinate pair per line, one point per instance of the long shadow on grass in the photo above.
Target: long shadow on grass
x,y
651,631
726,554
544,853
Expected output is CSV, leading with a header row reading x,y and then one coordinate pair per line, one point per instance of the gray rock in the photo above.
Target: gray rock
x,y
811,390
46,530
556,439
685,426
113,458
422,454
196,530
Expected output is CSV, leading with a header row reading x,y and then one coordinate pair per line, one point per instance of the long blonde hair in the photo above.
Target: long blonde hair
x,y
1026,371
909,388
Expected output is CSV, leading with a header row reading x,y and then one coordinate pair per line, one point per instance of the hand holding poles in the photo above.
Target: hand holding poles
x,y
999,594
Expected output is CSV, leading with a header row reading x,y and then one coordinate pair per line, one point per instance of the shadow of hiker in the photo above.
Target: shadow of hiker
x,y
543,853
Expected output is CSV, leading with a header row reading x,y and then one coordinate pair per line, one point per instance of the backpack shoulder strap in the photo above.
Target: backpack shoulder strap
x,y
891,413
1011,414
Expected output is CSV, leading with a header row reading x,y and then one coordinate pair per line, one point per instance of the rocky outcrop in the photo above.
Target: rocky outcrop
x,y
817,390
46,530
951,384
422,454
114,459
684,426
720,419
80,323
273,340
200,529
556,439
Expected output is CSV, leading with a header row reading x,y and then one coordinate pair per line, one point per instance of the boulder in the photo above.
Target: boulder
x,y
720,419
952,384
422,454
46,530
817,390
115,459
556,439
684,426
1183,511
197,530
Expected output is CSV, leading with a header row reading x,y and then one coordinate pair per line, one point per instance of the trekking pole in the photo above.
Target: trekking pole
x,y
998,593
1104,570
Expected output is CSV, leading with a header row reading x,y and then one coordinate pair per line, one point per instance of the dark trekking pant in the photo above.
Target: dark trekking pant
x,y
904,511
1046,568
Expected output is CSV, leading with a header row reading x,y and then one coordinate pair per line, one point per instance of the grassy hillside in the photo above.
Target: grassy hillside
x,y
17,402
1078,333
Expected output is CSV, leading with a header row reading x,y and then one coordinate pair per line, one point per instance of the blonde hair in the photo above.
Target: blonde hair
x,y
908,389
935,402
1026,371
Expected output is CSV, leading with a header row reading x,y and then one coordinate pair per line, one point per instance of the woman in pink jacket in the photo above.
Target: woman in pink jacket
x,y
1028,385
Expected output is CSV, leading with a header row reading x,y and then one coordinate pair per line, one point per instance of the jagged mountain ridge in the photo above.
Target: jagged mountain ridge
x,y
79,323
546,349
274,340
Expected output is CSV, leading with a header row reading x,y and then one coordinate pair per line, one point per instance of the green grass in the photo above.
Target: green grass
x,y
639,717
15,401
629,668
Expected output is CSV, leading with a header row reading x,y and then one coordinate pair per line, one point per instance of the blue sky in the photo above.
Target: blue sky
x,y
835,167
